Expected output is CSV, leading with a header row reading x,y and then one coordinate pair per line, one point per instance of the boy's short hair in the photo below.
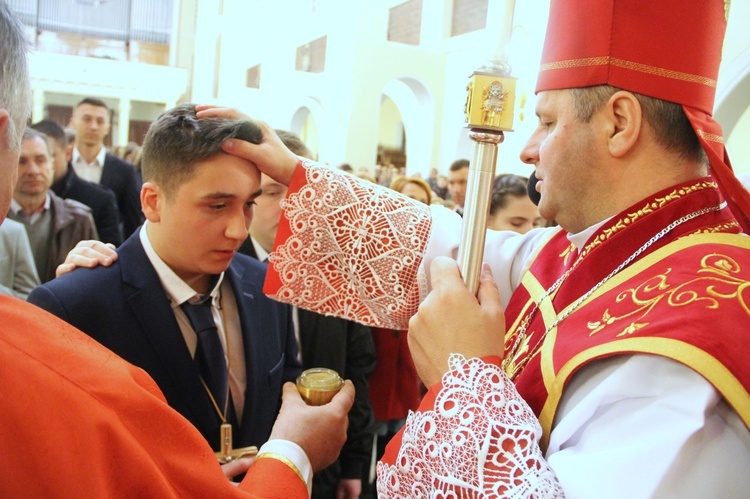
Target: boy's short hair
x,y
177,140
93,101
294,143
459,164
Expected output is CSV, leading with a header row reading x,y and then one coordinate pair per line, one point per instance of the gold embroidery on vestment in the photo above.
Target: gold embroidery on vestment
x,y
716,281
648,208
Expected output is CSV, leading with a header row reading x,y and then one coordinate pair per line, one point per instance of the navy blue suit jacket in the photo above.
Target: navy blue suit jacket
x,y
124,180
99,198
125,308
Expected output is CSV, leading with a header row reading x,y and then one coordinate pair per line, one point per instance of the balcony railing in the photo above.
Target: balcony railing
x,y
116,29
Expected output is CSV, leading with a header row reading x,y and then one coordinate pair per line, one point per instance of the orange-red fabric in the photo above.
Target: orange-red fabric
x,y
284,232
78,421
663,49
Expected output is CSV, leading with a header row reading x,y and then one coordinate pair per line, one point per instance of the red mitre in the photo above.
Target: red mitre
x,y
667,49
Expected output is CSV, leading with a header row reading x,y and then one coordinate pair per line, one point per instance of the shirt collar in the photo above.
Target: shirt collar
x,y
17,209
99,160
262,254
177,290
579,240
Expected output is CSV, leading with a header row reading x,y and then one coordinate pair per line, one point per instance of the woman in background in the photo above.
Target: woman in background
x,y
511,208
414,187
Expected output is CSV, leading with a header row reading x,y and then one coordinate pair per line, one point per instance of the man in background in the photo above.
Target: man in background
x,y
458,175
54,225
68,185
92,161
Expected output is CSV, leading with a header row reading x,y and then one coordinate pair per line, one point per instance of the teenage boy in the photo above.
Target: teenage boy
x,y
198,205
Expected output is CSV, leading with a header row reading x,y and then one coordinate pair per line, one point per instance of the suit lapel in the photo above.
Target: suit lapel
x,y
107,171
246,295
151,307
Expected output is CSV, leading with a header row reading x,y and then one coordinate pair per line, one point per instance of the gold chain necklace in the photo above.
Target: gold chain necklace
x,y
509,366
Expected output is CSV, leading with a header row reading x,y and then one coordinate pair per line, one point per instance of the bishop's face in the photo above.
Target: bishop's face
x,y
568,158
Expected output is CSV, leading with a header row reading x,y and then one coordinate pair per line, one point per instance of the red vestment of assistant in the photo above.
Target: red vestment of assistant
x,y
78,421
354,250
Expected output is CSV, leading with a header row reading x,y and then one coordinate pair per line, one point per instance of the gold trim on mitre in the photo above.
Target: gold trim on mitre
x,y
711,137
633,66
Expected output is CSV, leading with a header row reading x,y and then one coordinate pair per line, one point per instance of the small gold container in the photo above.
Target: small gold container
x,y
319,385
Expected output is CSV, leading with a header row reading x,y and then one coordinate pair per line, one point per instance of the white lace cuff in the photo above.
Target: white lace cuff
x,y
353,249
480,439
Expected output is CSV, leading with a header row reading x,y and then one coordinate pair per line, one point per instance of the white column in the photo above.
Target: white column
x,y
499,28
123,123
435,24
37,110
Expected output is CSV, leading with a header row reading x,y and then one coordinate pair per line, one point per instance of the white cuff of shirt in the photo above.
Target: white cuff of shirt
x,y
294,454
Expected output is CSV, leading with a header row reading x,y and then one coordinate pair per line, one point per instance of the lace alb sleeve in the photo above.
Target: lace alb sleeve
x,y
480,439
349,248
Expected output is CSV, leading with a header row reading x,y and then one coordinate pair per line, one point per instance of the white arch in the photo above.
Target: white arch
x,y
311,106
732,93
731,110
417,107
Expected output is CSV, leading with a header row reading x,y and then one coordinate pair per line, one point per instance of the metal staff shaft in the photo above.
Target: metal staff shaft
x,y
478,194
490,100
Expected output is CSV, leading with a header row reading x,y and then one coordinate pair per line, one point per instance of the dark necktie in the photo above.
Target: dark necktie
x,y
209,354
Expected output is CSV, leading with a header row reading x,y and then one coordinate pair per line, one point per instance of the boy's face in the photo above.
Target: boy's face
x,y
268,212
198,228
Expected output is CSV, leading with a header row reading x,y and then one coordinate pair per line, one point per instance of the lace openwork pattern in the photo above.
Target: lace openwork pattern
x,y
354,251
481,440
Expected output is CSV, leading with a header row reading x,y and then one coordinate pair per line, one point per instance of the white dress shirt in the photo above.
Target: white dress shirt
x,y
89,171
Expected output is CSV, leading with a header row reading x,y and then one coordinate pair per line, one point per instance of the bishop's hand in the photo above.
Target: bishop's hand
x,y
452,320
271,156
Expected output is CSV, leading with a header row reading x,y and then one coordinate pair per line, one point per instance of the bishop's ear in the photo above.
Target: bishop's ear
x,y
624,117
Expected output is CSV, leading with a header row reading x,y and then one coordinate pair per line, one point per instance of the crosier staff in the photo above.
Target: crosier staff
x,y
491,95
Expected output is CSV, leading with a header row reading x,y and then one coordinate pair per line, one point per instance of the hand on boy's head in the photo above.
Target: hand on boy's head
x,y
88,254
271,156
